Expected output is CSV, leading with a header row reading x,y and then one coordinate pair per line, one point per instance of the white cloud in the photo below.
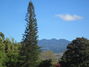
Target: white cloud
x,y
69,17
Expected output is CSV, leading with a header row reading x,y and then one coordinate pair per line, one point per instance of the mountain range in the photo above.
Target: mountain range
x,y
55,45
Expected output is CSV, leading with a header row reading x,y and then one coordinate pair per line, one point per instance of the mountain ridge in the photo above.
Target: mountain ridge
x,y
55,45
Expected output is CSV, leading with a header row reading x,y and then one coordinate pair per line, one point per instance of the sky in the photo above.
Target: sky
x,y
60,19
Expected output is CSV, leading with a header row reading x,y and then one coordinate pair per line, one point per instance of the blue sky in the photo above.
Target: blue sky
x,y
61,19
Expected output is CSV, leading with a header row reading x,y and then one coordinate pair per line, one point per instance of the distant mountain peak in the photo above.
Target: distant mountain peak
x,y
55,45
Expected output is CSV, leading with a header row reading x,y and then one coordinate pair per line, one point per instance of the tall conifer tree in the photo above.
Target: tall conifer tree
x,y
30,49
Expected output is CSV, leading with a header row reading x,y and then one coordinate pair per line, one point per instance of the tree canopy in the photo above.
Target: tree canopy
x,y
77,53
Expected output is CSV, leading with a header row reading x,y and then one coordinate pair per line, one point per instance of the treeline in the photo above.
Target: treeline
x,y
10,54
76,55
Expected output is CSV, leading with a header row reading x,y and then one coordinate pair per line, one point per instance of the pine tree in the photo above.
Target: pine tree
x,y
30,49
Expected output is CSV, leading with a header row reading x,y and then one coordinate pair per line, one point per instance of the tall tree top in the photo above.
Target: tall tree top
x,y
30,11
31,22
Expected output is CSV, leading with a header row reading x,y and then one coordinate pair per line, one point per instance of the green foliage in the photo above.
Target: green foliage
x,y
9,52
2,59
1,36
12,52
77,54
30,50
2,53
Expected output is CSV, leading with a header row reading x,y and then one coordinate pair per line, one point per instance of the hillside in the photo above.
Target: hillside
x,y
55,45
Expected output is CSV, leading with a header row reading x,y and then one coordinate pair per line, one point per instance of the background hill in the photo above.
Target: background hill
x,y
55,45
